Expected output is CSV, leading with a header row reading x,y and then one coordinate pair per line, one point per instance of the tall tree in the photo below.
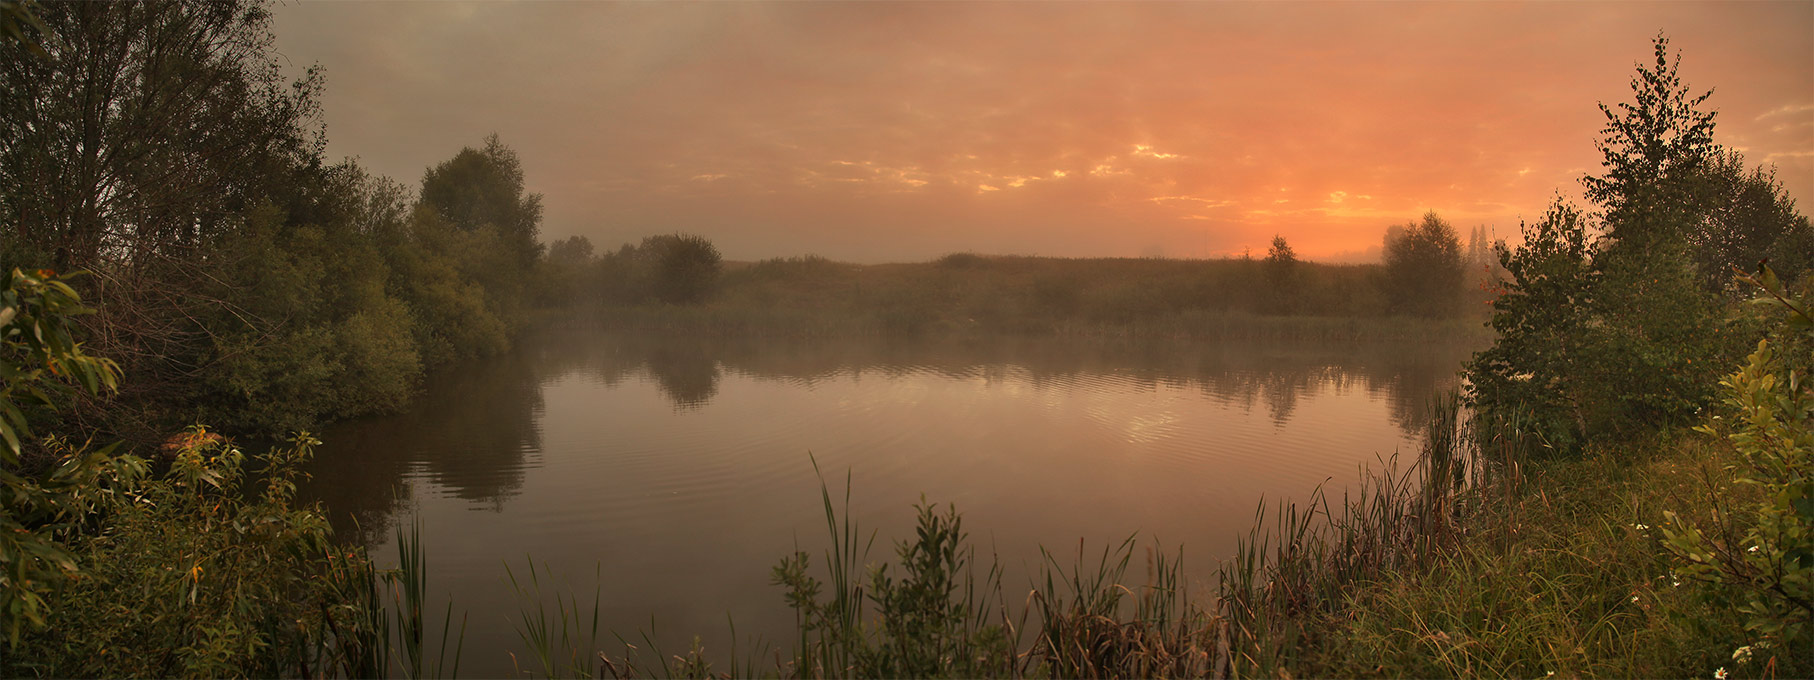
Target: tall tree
x,y
144,129
480,188
1653,149
138,135
1657,150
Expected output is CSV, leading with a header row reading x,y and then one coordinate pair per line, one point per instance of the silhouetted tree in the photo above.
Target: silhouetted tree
x,y
1423,270
1746,217
1281,266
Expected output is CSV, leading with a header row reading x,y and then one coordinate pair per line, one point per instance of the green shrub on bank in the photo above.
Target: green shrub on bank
x,y
45,503
187,579
1761,549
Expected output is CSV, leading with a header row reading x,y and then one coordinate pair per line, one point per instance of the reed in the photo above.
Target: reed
x,y
371,635
561,641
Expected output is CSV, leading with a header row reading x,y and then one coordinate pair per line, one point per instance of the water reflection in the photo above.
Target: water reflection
x,y
468,432
675,469
473,429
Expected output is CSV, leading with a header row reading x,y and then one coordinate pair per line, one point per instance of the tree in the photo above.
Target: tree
x,y
1423,269
145,128
1746,218
1281,266
1657,151
1653,150
679,268
1537,370
483,188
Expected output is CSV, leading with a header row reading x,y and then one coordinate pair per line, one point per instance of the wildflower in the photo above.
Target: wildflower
x,y
1742,654
1641,527
1720,674
1634,598
1674,583
1751,549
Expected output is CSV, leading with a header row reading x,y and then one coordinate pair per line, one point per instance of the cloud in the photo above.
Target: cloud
x,y
886,131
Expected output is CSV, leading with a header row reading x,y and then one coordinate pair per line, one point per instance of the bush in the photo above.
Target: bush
x,y
1763,551
683,269
40,512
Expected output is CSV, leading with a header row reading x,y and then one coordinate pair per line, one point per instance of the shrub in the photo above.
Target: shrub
x,y
1763,552
39,513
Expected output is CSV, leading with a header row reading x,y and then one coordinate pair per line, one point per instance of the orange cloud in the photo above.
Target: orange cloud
x,y
902,131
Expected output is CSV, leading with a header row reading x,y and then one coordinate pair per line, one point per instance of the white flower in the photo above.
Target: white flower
x,y
1720,674
1674,583
1550,674
1634,598
1751,549
1641,527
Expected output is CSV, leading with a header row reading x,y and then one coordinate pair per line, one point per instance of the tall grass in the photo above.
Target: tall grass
x,y
1297,565
372,635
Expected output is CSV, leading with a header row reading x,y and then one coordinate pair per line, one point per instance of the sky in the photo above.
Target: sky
x,y
884,132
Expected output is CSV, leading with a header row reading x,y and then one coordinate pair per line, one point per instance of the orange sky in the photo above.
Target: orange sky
x,y
889,132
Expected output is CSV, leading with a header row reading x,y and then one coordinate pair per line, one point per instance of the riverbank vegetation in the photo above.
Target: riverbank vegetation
x,y
648,286
1610,497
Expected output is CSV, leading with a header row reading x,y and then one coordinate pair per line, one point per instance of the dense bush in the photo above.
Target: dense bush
x,y
43,503
1763,550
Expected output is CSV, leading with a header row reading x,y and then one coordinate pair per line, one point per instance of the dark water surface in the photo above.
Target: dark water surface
x,y
671,474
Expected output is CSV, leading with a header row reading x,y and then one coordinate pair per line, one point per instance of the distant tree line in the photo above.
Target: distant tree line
x,y
674,269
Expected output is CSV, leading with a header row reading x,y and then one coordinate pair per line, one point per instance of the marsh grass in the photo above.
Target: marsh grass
x,y
375,619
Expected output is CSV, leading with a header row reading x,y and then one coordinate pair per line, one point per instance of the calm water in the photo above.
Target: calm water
x,y
672,474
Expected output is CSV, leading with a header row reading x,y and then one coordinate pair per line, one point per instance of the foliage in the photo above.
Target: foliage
x,y
676,269
41,510
190,577
1423,269
247,282
1282,276
1653,150
1620,334
680,268
930,623
1650,303
1565,577
1540,365
1764,550
483,188
1748,218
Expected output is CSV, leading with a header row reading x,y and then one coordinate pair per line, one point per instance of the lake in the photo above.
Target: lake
x,y
669,475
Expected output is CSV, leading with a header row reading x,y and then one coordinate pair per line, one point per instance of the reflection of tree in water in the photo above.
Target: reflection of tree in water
x,y
1273,375
468,430
1412,383
686,373
472,427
